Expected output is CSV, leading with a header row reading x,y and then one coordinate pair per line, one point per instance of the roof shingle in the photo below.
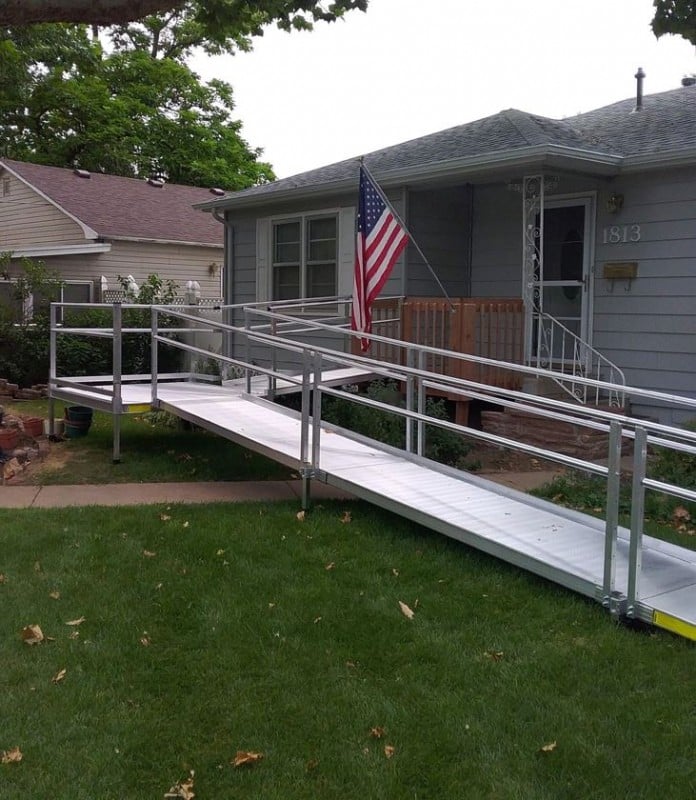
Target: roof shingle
x,y
125,207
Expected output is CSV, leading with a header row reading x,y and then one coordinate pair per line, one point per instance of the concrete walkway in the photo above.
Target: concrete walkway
x,y
127,494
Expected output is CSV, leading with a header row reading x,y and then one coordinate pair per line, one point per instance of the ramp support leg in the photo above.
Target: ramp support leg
x,y
306,486
609,598
637,514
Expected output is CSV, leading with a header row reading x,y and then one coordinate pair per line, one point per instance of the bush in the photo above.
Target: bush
x,y
442,445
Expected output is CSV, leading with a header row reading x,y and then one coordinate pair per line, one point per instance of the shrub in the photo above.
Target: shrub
x,y
442,445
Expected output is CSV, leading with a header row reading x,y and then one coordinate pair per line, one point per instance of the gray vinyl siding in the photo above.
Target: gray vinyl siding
x,y
496,250
27,219
440,223
648,327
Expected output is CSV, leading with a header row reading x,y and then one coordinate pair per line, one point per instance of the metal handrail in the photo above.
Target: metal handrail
x,y
583,360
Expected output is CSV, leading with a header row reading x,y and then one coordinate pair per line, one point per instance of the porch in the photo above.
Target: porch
x,y
490,329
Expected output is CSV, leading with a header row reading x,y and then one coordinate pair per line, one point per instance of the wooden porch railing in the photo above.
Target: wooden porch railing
x,y
488,327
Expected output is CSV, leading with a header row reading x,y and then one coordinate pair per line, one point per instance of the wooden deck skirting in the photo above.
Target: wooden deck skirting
x,y
489,327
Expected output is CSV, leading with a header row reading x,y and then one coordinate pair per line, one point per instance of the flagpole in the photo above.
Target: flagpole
x,y
405,227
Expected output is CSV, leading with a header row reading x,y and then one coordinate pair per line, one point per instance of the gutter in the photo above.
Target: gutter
x,y
146,240
538,155
58,250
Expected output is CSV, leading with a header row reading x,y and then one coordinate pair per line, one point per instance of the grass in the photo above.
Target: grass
x,y
244,628
154,448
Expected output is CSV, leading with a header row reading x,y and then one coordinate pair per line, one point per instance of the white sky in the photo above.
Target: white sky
x,y
407,68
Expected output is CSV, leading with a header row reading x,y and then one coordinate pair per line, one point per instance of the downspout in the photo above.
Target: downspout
x,y
227,280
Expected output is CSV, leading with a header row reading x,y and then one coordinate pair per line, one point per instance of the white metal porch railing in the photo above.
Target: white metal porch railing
x,y
558,346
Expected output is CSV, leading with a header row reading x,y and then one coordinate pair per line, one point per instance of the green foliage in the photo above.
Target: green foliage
x,y
24,336
675,467
677,17
383,426
65,102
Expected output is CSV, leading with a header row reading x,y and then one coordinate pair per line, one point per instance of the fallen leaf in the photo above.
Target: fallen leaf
x,y
351,664
183,790
494,655
346,517
149,554
13,756
32,634
74,635
317,619
395,572
54,595
75,622
312,764
330,565
165,517
220,552
405,610
59,676
300,516
37,566
377,732
548,748
246,757
185,524
389,750
3,579
145,640
680,514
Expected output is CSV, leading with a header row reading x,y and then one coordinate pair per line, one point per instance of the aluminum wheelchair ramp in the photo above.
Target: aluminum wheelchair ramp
x,y
559,544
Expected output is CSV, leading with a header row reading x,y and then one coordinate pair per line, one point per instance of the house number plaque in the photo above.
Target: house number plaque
x,y
621,234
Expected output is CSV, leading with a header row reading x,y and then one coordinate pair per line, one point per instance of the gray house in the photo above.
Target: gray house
x,y
566,237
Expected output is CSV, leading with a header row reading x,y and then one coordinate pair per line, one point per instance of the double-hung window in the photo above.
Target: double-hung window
x,y
305,257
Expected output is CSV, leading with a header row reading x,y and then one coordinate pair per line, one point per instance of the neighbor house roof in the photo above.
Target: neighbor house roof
x,y
116,207
605,140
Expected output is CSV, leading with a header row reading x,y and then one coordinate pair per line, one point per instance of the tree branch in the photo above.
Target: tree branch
x,y
99,12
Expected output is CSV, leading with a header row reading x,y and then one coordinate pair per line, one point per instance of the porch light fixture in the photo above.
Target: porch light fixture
x,y
615,203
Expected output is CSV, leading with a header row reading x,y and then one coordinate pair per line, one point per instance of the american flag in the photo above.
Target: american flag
x,y
380,241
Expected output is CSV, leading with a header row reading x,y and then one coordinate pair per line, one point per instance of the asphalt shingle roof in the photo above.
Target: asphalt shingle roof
x,y
666,122
116,206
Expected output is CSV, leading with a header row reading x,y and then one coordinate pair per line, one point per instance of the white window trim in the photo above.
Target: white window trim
x,y
345,247
28,307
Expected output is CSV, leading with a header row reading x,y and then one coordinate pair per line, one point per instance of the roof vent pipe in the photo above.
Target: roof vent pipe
x,y
688,80
639,76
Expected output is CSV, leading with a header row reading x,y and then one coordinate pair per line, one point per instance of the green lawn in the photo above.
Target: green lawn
x,y
215,629
154,448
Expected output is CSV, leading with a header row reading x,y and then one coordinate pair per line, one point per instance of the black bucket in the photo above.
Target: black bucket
x,y
78,420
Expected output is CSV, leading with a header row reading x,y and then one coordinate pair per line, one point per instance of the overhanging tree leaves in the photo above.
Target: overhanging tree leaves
x,y
138,109
675,16
64,102
245,16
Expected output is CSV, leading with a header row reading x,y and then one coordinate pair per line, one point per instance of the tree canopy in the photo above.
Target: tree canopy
x,y
122,99
675,16
244,16
65,102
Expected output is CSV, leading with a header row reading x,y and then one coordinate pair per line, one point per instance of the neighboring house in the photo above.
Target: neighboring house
x,y
589,221
89,226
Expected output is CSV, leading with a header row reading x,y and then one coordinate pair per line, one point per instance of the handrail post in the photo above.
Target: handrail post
x,y
420,441
635,550
316,412
117,366
247,369
154,353
274,362
52,369
409,400
612,517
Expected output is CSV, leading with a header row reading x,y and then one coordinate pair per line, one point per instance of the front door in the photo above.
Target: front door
x,y
562,288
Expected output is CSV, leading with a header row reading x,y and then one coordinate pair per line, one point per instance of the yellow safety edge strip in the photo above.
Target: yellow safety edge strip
x,y
138,408
675,625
